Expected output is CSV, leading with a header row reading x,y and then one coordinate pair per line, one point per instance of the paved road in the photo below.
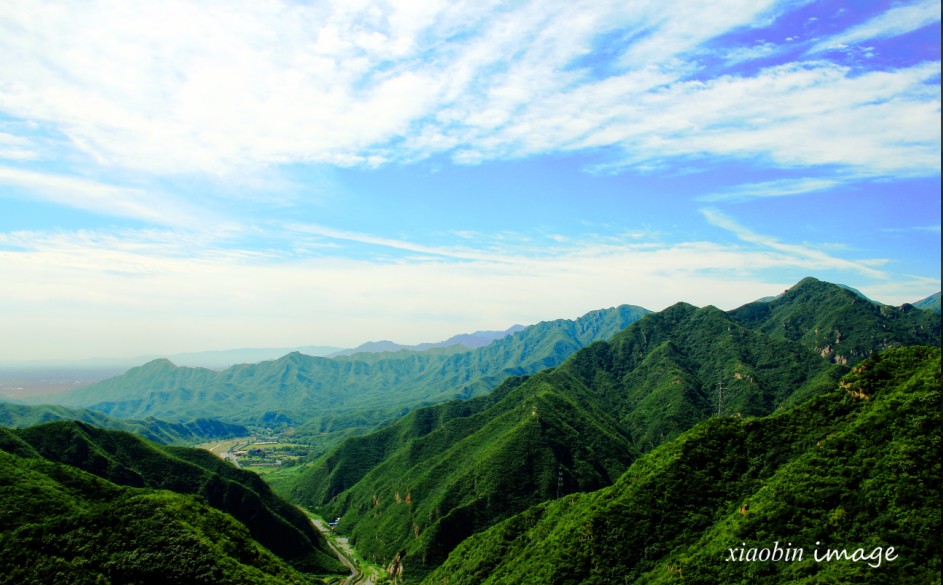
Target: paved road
x,y
223,449
356,576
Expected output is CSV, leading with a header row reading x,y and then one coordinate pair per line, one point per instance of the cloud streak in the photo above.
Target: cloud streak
x,y
89,195
213,88
159,282
246,172
767,189
809,258
897,21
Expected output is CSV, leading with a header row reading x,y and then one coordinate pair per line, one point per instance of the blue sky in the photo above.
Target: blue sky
x,y
184,176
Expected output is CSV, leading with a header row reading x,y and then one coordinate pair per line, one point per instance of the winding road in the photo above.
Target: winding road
x,y
344,555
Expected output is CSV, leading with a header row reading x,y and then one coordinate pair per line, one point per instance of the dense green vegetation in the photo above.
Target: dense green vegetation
x,y
413,491
931,303
159,431
855,468
658,450
92,502
845,327
338,397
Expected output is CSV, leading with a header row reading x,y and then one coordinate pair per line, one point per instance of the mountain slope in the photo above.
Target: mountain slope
x,y
844,326
513,449
547,434
354,392
837,472
162,432
931,303
62,525
646,385
123,459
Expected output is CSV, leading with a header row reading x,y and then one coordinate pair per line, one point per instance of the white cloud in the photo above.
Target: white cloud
x,y
89,195
219,87
804,256
153,291
765,189
13,147
382,242
757,51
896,21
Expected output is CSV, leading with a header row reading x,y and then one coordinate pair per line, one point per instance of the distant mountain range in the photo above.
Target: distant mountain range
x,y
222,359
213,359
464,340
443,473
159,431
623,446
334,397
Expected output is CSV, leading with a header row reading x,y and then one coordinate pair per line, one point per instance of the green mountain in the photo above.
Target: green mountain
x,y
466,466
465,340
931,303
844,325
136,487
342,394
833,484
159,431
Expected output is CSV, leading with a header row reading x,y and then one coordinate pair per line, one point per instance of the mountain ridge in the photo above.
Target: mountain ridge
x,y
210,495
466,340
657,378
159,431
828,471
347,392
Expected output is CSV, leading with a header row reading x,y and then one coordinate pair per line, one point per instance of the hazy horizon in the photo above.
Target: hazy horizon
x,y
182,177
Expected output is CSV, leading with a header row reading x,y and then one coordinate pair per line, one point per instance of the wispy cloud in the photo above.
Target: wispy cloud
x,y
160,281
806,256
766,189
756,51
215,87
127,202
898,20
383,242
13,147
933,229
222,125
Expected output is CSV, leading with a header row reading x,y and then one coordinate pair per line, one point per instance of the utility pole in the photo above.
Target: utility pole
x,y
720,397
559,480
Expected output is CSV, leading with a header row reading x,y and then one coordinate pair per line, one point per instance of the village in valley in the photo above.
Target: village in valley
x,y
265,451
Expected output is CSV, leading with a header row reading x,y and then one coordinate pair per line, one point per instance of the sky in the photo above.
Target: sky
x,y
185,176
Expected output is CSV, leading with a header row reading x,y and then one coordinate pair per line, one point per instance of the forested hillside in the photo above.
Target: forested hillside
x,y
159,431
844,327
410,493
931,303
856,470
344,394
90,502
611,449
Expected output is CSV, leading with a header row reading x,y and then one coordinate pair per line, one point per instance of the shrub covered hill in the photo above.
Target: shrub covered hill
x,y
86,505
844,488
931,303
159,431
410,493
342,394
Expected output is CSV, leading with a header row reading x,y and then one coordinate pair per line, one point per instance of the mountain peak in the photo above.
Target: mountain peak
x,y
810,283
158,364
837,321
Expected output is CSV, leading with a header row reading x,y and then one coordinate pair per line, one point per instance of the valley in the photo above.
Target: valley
x,y
471,293
622,446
